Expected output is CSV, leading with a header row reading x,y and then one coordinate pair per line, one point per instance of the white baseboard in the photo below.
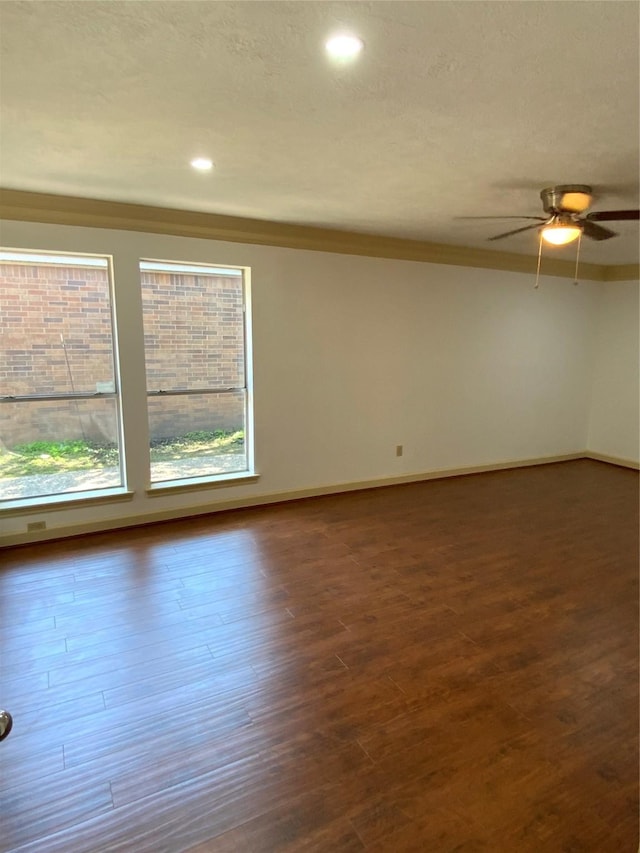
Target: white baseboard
x,y
613,460
282,497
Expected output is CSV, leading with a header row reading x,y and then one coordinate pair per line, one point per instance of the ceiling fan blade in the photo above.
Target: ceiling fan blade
x,y
596,232
612,215
539,218
517,231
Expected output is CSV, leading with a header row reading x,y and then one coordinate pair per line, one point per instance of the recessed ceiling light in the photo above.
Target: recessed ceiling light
x,y
344,46
202,164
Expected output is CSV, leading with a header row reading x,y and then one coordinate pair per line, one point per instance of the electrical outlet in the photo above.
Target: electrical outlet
x,y
399,450
36,525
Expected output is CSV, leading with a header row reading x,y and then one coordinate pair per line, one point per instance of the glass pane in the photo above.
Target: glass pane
x,y
193,328
56,447
56,326
196,435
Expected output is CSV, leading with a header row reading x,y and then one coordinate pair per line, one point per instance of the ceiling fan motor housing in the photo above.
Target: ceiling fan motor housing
x,y
566,198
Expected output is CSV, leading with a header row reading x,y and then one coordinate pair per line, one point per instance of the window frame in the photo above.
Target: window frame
x,y
248,473
28,257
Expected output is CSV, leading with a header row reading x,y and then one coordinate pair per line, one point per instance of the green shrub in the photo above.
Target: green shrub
x,y
56,449
201,436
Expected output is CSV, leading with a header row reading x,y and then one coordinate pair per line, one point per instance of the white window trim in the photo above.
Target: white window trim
x,y
77,259
247,474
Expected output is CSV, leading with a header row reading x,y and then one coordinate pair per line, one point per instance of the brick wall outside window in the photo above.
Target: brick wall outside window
x,y
193,338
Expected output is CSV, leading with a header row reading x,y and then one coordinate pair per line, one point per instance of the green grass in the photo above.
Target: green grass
x,y
55,457
201,443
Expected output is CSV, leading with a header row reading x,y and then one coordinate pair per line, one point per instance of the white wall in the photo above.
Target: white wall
x,y
353,356
613,419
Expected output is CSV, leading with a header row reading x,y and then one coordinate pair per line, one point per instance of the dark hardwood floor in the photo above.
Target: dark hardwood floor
x,y
442,666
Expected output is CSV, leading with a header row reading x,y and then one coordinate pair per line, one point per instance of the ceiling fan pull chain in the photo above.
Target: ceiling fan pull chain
x,y
575,277
539,259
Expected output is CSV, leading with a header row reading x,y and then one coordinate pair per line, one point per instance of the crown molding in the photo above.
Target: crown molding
x,y
95,213
622,272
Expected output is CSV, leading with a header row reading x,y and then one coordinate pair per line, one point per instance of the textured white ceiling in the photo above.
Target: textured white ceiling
x,y
454,108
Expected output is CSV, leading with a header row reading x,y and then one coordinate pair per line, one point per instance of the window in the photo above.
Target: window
x,y
198,371
60,424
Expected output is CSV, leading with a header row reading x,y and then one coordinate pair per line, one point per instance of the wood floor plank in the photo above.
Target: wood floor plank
x,y
22,763
50,804
442,666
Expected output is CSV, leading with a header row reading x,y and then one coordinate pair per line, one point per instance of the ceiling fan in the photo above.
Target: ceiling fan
x,y
564,222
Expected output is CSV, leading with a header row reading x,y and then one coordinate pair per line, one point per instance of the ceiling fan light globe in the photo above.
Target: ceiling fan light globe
x,y
560,234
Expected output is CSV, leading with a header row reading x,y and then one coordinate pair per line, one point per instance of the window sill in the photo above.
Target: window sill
x,y
198,483
25,506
